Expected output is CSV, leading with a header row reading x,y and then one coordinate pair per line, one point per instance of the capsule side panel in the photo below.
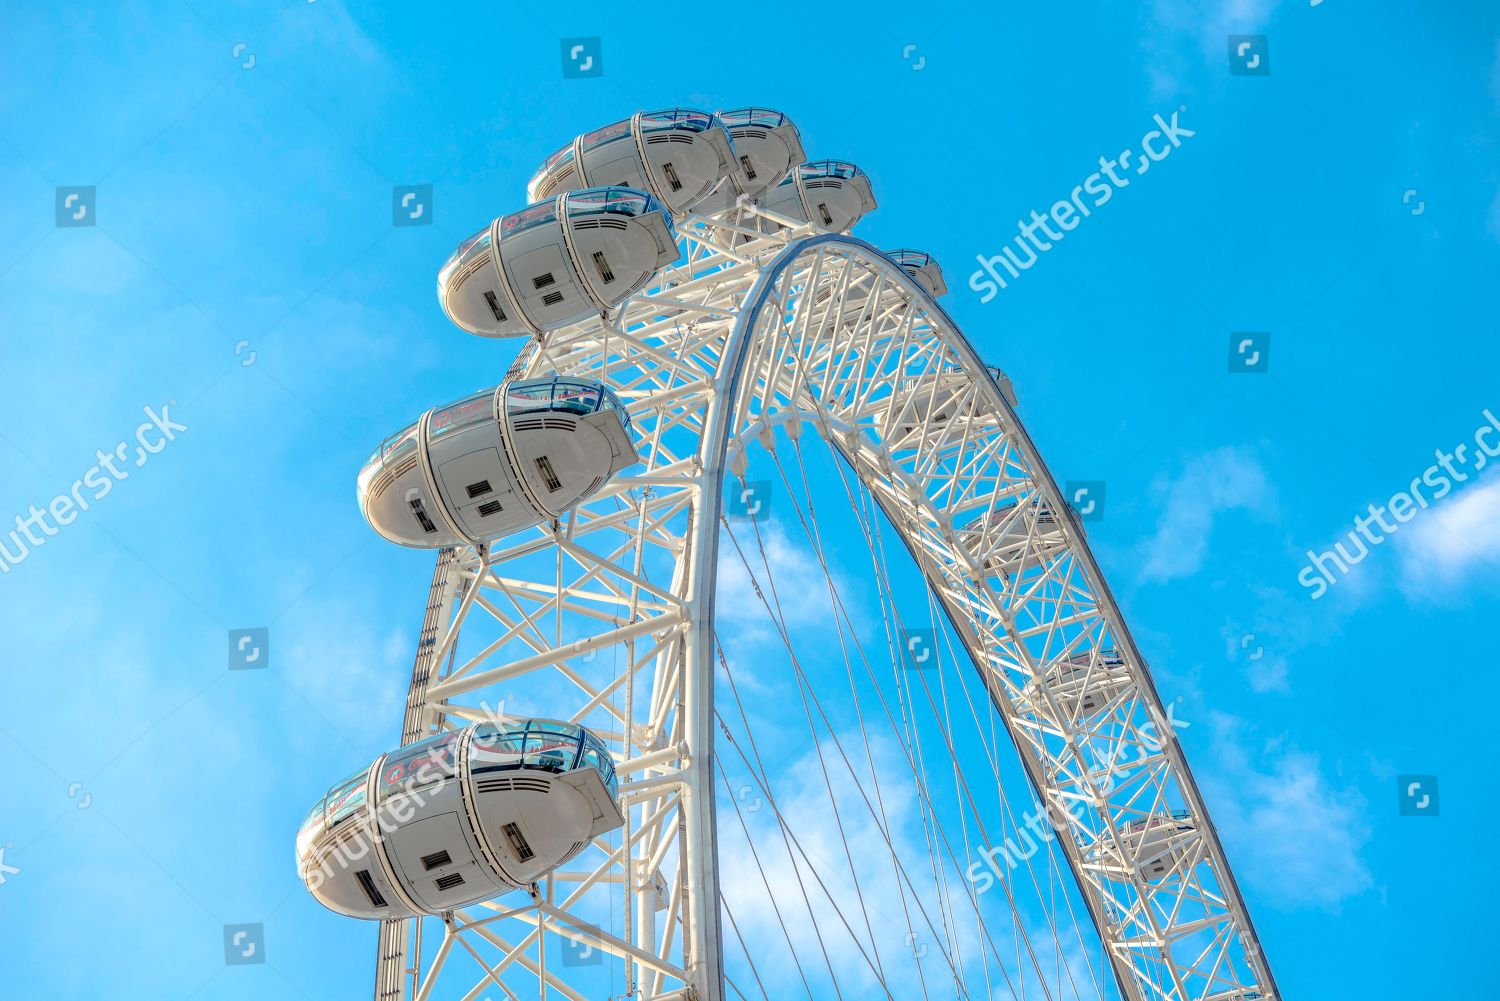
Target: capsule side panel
x,y
400,506
616,163
563,459
472,294
687,166
785,200
762,158
836,203
478,485
535,821
437,860
536,262
619,255
343,874
567,458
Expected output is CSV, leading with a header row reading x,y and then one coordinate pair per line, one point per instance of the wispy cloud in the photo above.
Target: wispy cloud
x,y
1182,37
346,661
1225,479
1452,540
1294,837
800,587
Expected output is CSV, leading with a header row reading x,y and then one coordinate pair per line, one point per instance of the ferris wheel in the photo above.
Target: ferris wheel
x,y
947,774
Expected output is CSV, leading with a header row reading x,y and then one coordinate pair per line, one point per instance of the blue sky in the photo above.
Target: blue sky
x,y
245,213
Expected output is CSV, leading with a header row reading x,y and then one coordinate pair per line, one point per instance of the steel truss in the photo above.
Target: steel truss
x,y
606,618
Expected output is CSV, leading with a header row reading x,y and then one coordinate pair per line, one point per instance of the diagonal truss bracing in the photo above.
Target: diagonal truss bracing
x,y
606,618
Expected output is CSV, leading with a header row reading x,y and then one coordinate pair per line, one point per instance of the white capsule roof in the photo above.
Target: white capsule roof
x,y
458,818
921,266
557,262
679,155
496,462
1002,382
831,194
1153,847
1016,538
1080,686
767,146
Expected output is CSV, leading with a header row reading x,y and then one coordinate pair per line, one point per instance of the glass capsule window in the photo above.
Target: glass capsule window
x,y
676,118
911,258
828,168
528,218
474,246
553,747
391,453
619,201
348,797
425,763
312,825
546,745
556,165
541,745
497,747
612,402
596,756
608,134
558,159
469,411
574,396
753,116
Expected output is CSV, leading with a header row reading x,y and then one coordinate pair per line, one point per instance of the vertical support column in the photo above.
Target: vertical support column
x,y
702,940
391,964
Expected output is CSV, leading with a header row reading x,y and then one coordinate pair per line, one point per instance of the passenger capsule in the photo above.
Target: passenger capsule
x,y
458,818
1016,538
766,148
1080,686
923,269
1151,848
496,462
930,406
830,194
679,155
557,262
1002,382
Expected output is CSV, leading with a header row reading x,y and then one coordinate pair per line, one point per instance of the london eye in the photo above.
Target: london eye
x,y
644,753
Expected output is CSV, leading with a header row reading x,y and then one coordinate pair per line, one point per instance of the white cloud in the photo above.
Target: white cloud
x,y
1182,38
1446,543
345,661
1225,479
1293,838
800,586
803,800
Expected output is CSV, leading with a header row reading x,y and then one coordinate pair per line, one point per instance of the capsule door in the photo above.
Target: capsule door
x,y
610,156
685,163
535,260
